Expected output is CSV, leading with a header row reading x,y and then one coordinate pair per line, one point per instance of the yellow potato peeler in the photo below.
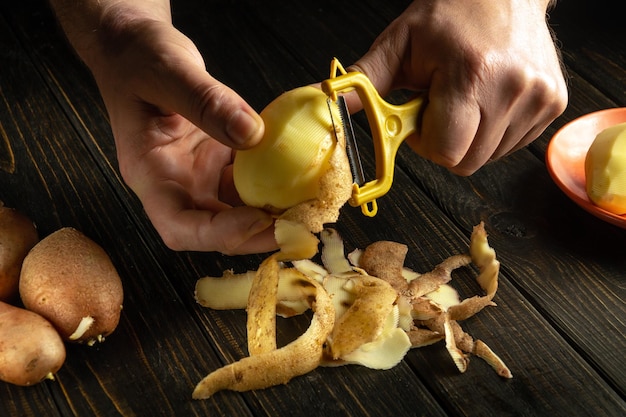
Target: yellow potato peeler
x,y
390,124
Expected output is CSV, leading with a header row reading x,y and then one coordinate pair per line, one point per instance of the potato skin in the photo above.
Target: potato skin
x,y
67,277
17,236
31,350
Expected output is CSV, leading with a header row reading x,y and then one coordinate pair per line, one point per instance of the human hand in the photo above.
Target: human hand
x,y
492,72
174,127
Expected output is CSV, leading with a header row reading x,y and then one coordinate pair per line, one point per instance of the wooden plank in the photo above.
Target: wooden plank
x,y
415,220
602,347
120,397
534,333
56,183
554,252
598,58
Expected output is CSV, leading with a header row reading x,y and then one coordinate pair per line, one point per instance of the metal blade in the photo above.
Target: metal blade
x,y
352,149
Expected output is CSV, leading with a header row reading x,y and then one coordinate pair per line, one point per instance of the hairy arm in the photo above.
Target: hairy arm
x,y
491,68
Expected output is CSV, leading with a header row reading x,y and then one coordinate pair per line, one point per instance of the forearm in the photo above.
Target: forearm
x,y
93,26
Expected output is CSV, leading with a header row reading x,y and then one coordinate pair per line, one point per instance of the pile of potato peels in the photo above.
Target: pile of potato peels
x,y
369,309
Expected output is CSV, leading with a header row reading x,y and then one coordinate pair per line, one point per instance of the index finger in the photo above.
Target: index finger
x,y
216,227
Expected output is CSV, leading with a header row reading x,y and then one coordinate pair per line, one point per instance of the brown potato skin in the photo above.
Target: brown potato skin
x,y
17,236
30,348
66,277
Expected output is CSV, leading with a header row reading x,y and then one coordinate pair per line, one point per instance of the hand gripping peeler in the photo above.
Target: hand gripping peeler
x,y
390,124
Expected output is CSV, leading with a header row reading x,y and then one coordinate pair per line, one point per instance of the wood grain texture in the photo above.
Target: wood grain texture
x,y
559,320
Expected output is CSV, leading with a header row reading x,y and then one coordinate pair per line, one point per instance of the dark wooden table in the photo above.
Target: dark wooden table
x,y
560,323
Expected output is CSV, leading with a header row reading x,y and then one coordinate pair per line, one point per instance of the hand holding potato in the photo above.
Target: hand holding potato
x,y
491,69
175,126
182,169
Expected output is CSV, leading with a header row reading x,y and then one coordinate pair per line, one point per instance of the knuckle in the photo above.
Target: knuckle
x,y
550,95
171,240
210,104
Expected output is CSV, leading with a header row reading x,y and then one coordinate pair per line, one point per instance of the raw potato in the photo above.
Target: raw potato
x,y
285,169
299,172
71,281
31,350
17,236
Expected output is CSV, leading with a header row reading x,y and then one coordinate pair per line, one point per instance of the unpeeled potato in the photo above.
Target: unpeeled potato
x,y
71,281
17,236
31,350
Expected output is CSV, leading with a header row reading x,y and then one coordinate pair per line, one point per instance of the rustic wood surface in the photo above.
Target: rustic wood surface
x,y
560,320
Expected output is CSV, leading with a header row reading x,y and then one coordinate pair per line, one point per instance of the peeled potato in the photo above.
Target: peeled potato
x,y
17,236
285,168
31,350
605,169
71,281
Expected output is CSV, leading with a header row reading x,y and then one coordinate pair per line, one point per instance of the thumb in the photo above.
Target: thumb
x,y
192,92
381,66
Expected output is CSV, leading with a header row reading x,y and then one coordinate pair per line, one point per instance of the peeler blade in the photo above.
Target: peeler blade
x,y
352,149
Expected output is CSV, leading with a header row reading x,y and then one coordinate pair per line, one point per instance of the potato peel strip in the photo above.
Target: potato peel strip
x,y
355,297
278,366
262,308
364,320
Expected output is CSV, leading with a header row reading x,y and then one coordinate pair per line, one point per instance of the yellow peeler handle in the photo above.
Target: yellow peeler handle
x,y
390,124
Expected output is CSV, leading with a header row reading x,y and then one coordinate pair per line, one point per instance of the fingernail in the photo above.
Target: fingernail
x,y
242,127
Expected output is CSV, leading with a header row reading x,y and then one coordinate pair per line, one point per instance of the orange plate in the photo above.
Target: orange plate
x,y
566,154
